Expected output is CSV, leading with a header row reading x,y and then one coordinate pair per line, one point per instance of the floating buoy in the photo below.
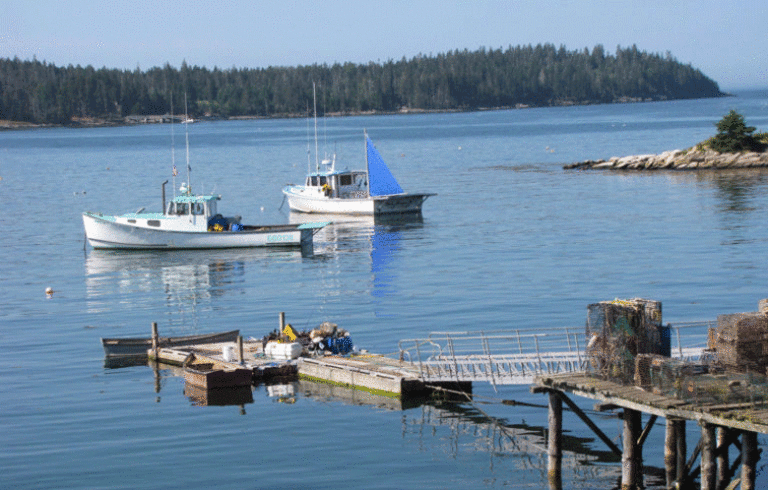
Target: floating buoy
x,y
49,291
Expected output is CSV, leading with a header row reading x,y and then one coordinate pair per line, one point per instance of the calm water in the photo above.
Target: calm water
x,y
511,241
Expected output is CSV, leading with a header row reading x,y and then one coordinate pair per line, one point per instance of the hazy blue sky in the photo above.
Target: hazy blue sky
x,y
727,40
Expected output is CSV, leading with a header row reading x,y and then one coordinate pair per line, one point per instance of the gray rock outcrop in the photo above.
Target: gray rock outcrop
x,y
692,159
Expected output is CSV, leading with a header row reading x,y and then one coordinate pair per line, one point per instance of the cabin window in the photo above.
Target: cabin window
x,y
197,208
345,180
181,208
323,181
153,222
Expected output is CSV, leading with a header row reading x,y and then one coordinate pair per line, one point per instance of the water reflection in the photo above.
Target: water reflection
x,y
737,190
450,429
185,277
380,236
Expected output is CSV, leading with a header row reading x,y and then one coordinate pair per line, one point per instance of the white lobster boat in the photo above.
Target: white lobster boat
x,y
190,221
372,192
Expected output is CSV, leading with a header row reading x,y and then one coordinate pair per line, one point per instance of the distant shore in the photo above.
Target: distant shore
x,y
692,159
95,122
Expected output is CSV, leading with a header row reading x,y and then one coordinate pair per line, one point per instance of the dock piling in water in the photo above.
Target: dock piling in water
x,y
554,443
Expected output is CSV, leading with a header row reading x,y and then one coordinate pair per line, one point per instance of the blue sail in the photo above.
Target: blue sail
x,y
381,182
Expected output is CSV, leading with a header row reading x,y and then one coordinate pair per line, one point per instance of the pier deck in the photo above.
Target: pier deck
x,y
749,416
722,425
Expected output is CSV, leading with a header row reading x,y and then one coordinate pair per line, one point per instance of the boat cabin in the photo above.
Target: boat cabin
x,y
192,205
342,185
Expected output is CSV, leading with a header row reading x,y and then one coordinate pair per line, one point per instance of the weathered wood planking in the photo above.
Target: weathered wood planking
x,y
751,418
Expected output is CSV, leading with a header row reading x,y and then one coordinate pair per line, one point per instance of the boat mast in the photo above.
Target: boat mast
x,y
173,151
186,134
314,100
367,170
309,153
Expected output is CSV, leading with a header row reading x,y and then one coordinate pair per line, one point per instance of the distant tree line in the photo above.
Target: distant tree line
x,y
541,75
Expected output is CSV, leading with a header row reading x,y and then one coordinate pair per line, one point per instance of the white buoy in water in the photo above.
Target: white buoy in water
x,y
49,291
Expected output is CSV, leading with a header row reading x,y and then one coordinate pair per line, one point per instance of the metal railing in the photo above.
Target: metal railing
x,y
517,356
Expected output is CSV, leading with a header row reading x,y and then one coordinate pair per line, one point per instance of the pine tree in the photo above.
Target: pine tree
x,y
734,135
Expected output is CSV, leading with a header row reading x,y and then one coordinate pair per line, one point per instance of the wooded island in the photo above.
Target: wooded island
x,y
523,76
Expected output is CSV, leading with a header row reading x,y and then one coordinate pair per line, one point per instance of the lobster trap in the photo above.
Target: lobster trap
x,y
617,331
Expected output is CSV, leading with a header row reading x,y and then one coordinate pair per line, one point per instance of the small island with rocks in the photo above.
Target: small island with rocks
x,y
733,147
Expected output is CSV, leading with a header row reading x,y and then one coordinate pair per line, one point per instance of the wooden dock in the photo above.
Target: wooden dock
x,y
249,359
206,368
375,374
721,426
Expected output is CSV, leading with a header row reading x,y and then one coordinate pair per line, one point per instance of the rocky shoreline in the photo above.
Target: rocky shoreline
x,y
692,159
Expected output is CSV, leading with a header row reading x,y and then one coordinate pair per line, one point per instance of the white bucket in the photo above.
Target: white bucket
x,y
228,352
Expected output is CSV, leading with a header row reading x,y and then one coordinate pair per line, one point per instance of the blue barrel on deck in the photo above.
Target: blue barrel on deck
x,y
237,227
341,345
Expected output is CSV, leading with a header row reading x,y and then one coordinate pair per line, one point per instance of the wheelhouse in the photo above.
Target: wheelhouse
x,y
192,205
346,184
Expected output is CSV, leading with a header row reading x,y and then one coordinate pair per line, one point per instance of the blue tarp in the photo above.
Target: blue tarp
x,y
381,182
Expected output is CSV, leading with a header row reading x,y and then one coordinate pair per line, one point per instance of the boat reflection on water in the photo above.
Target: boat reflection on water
x,y
380,236
184,278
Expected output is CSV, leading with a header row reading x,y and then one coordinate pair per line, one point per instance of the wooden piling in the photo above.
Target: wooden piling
x,y
680,453
749,456
708,462
670,452
722,456
631,458
240,349
155,339
554,443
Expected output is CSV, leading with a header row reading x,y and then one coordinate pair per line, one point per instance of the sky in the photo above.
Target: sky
x,y
726,40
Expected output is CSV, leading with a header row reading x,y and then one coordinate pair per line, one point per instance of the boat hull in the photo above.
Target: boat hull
x,y
371,206
104,233
138,347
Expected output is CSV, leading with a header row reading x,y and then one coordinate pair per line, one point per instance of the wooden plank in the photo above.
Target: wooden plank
x,y
607,392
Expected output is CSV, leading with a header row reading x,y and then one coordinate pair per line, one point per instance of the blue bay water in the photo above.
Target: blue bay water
x,y
511,241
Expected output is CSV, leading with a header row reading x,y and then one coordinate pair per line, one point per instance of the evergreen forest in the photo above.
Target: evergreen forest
x,y
522,76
